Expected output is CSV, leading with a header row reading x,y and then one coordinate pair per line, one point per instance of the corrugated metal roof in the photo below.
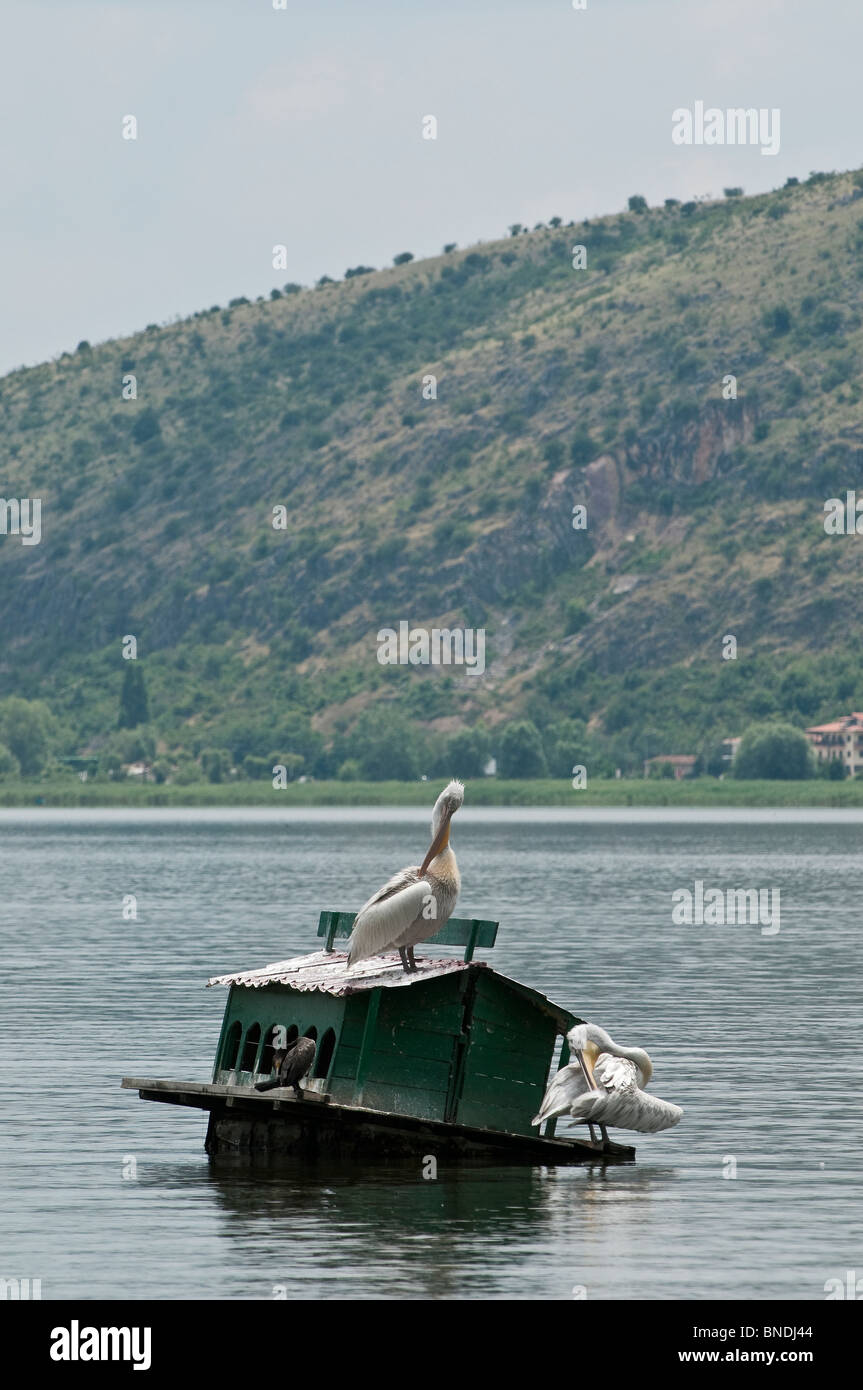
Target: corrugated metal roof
x,y
327,971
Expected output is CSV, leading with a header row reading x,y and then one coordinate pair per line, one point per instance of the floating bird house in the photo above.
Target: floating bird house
x,y
454,1051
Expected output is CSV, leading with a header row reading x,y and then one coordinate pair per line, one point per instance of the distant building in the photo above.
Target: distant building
x,y
842,739
682,764
730,747
142,770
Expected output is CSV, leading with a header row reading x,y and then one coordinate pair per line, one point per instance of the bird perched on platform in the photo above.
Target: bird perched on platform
x,y
415,903
604,1085
291,1066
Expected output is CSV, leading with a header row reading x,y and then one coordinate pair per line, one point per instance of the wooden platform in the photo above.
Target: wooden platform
x,y
243,1120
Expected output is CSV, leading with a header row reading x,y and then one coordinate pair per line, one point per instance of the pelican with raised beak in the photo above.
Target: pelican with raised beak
x,y
417,901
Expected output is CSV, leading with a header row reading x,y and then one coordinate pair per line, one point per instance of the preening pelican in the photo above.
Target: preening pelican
x,y
604,1086
417,901
291,1066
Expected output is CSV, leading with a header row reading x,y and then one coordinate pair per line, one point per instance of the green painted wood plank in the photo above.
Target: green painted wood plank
x,y
492,1062
427,993
502,1091
495,1117
442,1021
537,1044
352,1033
415,1042
345,1062
402,1100
406,1071
372,1007
419,1004
341,1089
226,1023
506,1009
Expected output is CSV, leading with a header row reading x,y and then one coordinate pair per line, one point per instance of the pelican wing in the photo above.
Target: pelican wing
x,y
387,914
616,1074
591,1105
637,1110
564,1089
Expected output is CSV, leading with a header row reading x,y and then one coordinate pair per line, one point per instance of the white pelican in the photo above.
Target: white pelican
x,y
417,901
604,1086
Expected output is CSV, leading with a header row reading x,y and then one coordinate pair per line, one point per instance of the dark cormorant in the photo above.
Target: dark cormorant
x,y
291,1066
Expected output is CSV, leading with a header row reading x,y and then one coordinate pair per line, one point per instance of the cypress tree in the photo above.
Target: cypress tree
x,y
134,708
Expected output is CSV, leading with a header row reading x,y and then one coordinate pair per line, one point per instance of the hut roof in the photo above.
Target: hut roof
x,y
327,973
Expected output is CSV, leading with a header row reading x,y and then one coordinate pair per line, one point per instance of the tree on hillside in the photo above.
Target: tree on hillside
x,y
712,759
520,751
403,257
216,764
293,763
774,751
257,768
29,731
566,744
133,745
466,753
582,449
9,765
255,737
110,765
637,203
553,452
146,426
777,320
134,706
387,745
575,617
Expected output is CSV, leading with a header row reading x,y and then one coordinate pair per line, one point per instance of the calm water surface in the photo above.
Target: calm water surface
x,y
757,1036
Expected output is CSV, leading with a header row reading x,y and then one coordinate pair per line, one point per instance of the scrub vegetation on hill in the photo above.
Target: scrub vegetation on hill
x,y
452,505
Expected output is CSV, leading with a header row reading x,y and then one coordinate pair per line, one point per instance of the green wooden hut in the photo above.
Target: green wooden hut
x,y
454,1054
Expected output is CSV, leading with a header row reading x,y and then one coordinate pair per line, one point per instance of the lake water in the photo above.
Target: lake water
x,y
756,1034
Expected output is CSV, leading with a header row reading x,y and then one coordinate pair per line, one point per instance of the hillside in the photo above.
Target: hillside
x,y
555,386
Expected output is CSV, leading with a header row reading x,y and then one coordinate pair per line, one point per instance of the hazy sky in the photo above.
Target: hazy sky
x,y
303,126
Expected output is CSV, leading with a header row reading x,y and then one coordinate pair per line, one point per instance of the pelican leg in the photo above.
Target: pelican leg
x,y
604,1132
592,1132
404,955
411,958
297,1091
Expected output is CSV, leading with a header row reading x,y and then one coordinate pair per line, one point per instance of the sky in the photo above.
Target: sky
x,y
303,126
